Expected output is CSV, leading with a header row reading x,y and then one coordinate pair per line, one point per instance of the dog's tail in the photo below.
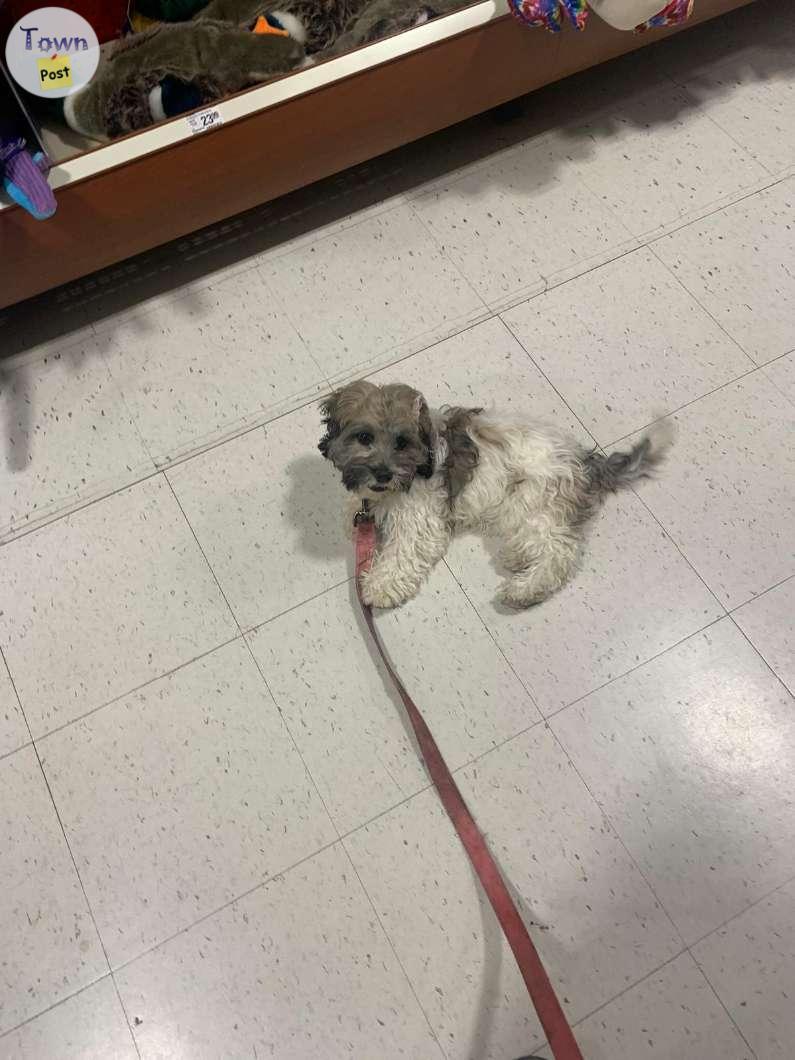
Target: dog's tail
x,y
623,467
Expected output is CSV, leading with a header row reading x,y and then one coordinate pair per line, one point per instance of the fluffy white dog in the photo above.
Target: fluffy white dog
x,y
428,474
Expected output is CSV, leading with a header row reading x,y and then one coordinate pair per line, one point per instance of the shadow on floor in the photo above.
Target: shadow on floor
x,y
759,40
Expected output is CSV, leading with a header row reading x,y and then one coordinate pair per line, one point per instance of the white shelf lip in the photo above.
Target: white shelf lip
x,y
295,84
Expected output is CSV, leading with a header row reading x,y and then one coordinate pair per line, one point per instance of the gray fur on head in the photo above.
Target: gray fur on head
x,y
379,437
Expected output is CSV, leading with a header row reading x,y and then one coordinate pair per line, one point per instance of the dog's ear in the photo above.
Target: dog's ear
x,y
427,436
330,419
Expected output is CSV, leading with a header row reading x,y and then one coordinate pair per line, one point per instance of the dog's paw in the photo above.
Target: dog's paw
x,y
382,592
520,596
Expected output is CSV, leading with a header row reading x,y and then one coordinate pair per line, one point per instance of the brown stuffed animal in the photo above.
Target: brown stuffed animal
x,y
322,20
333,27
171,68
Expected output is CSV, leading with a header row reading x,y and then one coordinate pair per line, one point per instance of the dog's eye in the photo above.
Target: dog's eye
x,y
364,438
401,442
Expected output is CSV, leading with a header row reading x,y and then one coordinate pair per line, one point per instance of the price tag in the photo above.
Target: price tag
x,y
204,120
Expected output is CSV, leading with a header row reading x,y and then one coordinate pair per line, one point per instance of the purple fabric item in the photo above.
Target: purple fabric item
x,y
26,179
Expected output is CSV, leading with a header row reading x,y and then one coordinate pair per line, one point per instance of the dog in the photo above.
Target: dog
x,y
428,474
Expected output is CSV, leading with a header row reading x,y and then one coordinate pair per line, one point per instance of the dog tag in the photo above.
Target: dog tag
x,y
204,120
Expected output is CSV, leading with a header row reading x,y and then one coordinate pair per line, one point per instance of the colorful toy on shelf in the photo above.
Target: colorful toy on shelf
x,y
24,177
671,15
637,15
550,13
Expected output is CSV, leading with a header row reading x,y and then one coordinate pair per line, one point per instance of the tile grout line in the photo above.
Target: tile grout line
x,y
85,895
257,666
137,688
637,666
259,885
502,653
73,860
391,945
543,374
642,242
759,654
203,555
675,543
722,1004
683,85
276,297
310,775
57,1004
681,408
618,837
440,249
759,595
677,279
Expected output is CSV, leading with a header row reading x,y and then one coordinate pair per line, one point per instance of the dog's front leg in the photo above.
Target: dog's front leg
x,y
412,539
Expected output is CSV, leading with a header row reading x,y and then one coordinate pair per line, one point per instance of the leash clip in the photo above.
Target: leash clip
x,y
364,515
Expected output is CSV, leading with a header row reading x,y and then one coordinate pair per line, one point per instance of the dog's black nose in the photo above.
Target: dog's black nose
x,y
382,474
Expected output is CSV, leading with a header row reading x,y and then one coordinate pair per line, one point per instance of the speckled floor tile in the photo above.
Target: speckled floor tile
x,y
494,222
350,729
769,623
181,797
727,493
594,920
755,111
781,374
88,1026
599,625
689,756
187,773
207,363
104,600
758,36
67,437
269,513
375,292
745,79
299,968
625,344
486,367
655,160
738,265
751,965
13,730
48,945
671,1015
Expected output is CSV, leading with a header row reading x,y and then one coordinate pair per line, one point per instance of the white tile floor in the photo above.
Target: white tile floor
x,y
215,837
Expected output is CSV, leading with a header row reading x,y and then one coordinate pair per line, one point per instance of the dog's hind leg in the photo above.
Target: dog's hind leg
x,y
540,544
544,569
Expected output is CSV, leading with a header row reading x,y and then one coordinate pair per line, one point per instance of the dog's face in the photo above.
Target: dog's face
x,y
379,437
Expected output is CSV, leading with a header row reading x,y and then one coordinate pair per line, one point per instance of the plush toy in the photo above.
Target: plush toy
x,y
172,68
24,177
322,21
549,13
674,13
382,18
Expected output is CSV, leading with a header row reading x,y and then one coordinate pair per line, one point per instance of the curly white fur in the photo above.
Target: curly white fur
x,y
533,488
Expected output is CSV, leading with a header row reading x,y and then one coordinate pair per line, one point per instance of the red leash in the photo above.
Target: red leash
x,y
553,1020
